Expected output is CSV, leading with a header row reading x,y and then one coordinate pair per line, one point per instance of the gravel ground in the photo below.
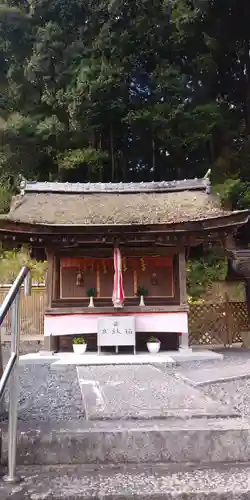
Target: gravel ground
x,y
49,395
46,394
53,395
235,393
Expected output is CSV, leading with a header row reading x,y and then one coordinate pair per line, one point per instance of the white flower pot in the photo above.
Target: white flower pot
x,y
142,303
91,302
153,347
79,348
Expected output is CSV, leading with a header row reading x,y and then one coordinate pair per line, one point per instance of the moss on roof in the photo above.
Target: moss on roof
x,y
114,208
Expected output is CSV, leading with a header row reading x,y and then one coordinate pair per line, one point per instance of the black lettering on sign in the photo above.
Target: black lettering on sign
x,y
128,331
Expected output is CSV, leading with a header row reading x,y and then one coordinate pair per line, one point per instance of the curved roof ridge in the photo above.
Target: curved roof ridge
x,y
202,184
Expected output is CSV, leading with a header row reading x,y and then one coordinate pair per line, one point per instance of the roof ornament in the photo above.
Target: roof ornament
x,y
22,184
208,181
208,174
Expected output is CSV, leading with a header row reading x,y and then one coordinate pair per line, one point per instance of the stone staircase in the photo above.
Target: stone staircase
x,y
174,460
147,435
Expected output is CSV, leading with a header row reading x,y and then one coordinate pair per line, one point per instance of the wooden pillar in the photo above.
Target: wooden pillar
x,y
183,292
182,277
49,342
49,285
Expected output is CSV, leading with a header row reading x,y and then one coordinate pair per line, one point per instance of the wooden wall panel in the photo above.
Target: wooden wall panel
x,y
69,289
164,281
106,283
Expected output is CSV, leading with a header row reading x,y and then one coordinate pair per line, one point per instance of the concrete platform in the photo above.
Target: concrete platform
x,y
141,358
187,355
228,373
130,483
142,392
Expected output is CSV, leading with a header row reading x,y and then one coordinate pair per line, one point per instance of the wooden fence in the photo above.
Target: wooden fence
x,y
220,323
209,323
32,312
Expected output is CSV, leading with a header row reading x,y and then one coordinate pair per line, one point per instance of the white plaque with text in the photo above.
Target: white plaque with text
x,y
119,331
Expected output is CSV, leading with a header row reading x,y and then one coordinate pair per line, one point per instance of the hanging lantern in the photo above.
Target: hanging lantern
x,y
154,280
80,278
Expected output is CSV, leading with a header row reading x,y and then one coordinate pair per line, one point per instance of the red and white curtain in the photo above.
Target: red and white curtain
x,y
118,293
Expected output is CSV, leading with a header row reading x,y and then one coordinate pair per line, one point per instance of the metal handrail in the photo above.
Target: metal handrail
x,y
12,300
6,374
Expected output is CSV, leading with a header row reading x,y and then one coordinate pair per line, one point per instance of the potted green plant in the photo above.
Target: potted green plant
x,y
142,292
153,345
91,294
79,345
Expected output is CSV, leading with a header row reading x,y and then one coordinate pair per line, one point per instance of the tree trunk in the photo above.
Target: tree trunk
x,y
112,153
100,141
247,85
153,158
212,150
124,168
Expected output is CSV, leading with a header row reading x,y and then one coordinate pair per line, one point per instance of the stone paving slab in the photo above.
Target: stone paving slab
x,y
188,355
204,376
142,392
130,483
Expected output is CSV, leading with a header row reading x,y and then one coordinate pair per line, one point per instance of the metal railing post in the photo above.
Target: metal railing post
x,y
27,285
14,392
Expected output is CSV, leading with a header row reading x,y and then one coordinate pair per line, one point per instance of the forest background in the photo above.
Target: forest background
x,y
125,90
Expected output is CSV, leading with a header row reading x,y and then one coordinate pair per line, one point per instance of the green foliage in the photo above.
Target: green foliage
x,y
235,193
91,159
153,340
125,91
203,272
142,291
5,198
91,292
49,127
106,90
12,260
79,340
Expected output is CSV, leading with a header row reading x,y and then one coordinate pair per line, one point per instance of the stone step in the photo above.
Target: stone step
x,y
196,440
152,482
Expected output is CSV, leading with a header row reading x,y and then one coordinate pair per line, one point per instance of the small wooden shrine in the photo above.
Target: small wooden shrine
x,y
76,228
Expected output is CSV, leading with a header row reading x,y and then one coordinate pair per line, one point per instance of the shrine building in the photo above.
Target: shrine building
x,y
77,228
